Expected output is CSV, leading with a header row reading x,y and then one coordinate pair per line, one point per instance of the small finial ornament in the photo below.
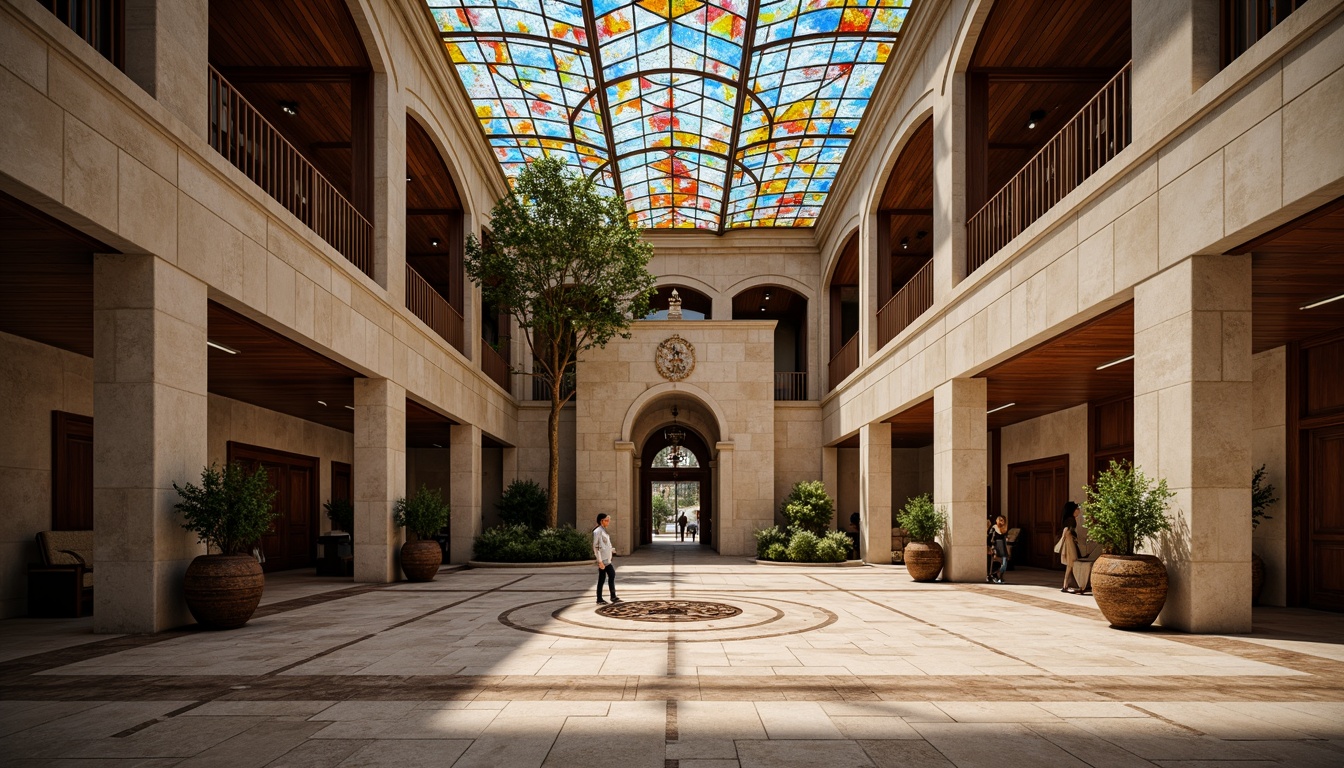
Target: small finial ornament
x,y
674,306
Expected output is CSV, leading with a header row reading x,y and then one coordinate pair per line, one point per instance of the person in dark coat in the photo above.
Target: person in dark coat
x,y
998,542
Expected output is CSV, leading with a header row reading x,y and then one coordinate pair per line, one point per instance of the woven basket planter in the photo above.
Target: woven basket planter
x,y
420,560
924,560
223,591
1130,589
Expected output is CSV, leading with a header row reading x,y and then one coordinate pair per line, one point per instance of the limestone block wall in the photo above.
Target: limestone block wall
x,y
731,392
35,380
797,446
1062,433
1269,446
911,475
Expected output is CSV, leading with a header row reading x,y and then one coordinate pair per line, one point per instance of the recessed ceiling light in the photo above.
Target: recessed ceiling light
x,y
290,108
221,347
767,295
762,307
351,407
1000,408
1315,304
905,243
321,402
408,178
1124,359
434,242
1037,115
436,445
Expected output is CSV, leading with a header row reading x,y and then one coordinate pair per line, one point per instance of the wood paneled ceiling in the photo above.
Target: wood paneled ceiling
x,y
1062,372
913,427
783,303
426,428
1295,265
273,372
46,278
433,213
910,184
847,268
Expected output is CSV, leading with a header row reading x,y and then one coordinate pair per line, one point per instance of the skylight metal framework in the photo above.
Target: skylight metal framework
x,y
705,114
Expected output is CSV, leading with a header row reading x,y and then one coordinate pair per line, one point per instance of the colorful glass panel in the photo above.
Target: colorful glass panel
x,y
657,100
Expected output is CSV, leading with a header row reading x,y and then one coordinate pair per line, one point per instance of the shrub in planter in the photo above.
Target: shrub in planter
x,y
808,507
833,548
229,512
523,503
341,512
767,538
1262,498
424,514
803,547
519,544
922,522
777,552
1122,510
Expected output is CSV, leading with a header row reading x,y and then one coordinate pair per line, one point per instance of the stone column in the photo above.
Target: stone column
x,y
388,121
724,481
167,45
949,188
959,465
624,522
466,491
1175,47
875,492
830,477
380,477
868,292
1192,426
150,410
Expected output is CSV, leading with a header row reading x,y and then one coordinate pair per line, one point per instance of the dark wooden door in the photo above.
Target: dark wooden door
x,y
1325,518
1037,491
292,540
71,472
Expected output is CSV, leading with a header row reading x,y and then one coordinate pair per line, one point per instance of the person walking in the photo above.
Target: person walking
x,y
602,552
693,529
1068,547
998,542
681,526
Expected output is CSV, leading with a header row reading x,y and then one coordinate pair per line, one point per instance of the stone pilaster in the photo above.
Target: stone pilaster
x,y
1176,50
874,493
150,410
380,476
466,491
1192,426
724,482
830,477
623,523
166,54
959,481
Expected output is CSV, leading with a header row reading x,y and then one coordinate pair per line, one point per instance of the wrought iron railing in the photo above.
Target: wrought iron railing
x,y
845,362
102,24
912,300
790,385
541,386
1099,131
426,304
255,147
495,366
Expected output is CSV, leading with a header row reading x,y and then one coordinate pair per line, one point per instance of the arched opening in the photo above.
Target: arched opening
x,y
694,304
435,281
905,237
789,309
675,479
844,314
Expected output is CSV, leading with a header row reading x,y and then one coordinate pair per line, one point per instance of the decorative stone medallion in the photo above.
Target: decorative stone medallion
x,y
675,358
669,610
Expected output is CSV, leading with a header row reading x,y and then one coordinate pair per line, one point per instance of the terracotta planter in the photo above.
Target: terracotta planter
x,y
1130,589
1257,578
222,591
420,560
924,560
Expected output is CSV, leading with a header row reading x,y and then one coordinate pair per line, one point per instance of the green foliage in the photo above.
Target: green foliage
x,y
523,503
803,546
921,520
1262,497
662,512
566,262
775,551
833,548
341,512
424,514
230,510
520,544
1123,508
768,538
808,507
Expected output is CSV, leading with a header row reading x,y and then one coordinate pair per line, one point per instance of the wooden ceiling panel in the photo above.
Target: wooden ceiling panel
x,y
913,427
293,33
431,185
273,372
782,303
426,428
847,268
691,299
910,184
1296,265
1049,33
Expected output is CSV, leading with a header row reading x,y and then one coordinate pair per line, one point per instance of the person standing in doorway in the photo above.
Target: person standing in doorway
x,y
694,527
681,526
998,544
602,552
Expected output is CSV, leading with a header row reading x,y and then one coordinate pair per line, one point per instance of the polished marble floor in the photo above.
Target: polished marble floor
x,y
806,666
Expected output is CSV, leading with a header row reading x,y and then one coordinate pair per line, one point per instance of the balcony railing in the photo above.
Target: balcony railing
x,y
495,366
541,387
1244,22
426,304
255,147
790,385
1099,131
913,300
845,362
102,24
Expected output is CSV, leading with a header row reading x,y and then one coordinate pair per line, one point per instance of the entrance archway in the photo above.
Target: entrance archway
x,y
652,472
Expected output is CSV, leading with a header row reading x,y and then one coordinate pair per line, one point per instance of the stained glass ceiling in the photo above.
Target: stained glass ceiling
x,y
714,115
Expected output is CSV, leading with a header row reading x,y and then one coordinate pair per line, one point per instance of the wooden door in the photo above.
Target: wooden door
x,y
292,540
1037,491
1325,518
71,472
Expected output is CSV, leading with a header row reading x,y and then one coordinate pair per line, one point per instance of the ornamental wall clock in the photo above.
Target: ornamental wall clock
x,y
675,358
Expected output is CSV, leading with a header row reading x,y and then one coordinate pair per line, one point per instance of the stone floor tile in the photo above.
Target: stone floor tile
x,y
802,754
1088,747
874,728
699,763
1220,722
910,711
1072,709
533,709
995,712
719,720
257,746
258,708
904,754
318,753
406,754
796,720
594,742
178,737
702,748
988,745
1156,741
519,741
366,710
1284,714
1307,754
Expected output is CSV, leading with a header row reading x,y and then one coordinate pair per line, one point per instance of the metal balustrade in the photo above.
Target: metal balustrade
x,y
912,300
790,385
426,304
845,362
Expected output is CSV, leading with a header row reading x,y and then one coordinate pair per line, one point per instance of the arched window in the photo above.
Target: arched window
x,y
694,304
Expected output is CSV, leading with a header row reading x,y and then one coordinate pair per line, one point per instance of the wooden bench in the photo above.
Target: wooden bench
x,y
62,584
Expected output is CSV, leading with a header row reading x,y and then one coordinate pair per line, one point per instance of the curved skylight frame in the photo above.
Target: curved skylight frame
x,y
700,114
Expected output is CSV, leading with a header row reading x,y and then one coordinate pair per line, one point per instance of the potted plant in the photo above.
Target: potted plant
x,y
424,514
1262,497
229,512
341,512
1123,509
922,522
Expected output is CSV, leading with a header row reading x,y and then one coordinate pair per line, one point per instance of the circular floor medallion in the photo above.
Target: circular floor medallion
x,y
669,610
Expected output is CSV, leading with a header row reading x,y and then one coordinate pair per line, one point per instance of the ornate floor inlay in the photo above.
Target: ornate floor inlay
x,y
669,610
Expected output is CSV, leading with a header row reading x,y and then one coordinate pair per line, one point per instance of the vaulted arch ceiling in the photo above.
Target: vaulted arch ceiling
x,y
717,114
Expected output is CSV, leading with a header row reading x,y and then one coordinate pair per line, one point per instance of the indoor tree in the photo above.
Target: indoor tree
x,y
564,261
